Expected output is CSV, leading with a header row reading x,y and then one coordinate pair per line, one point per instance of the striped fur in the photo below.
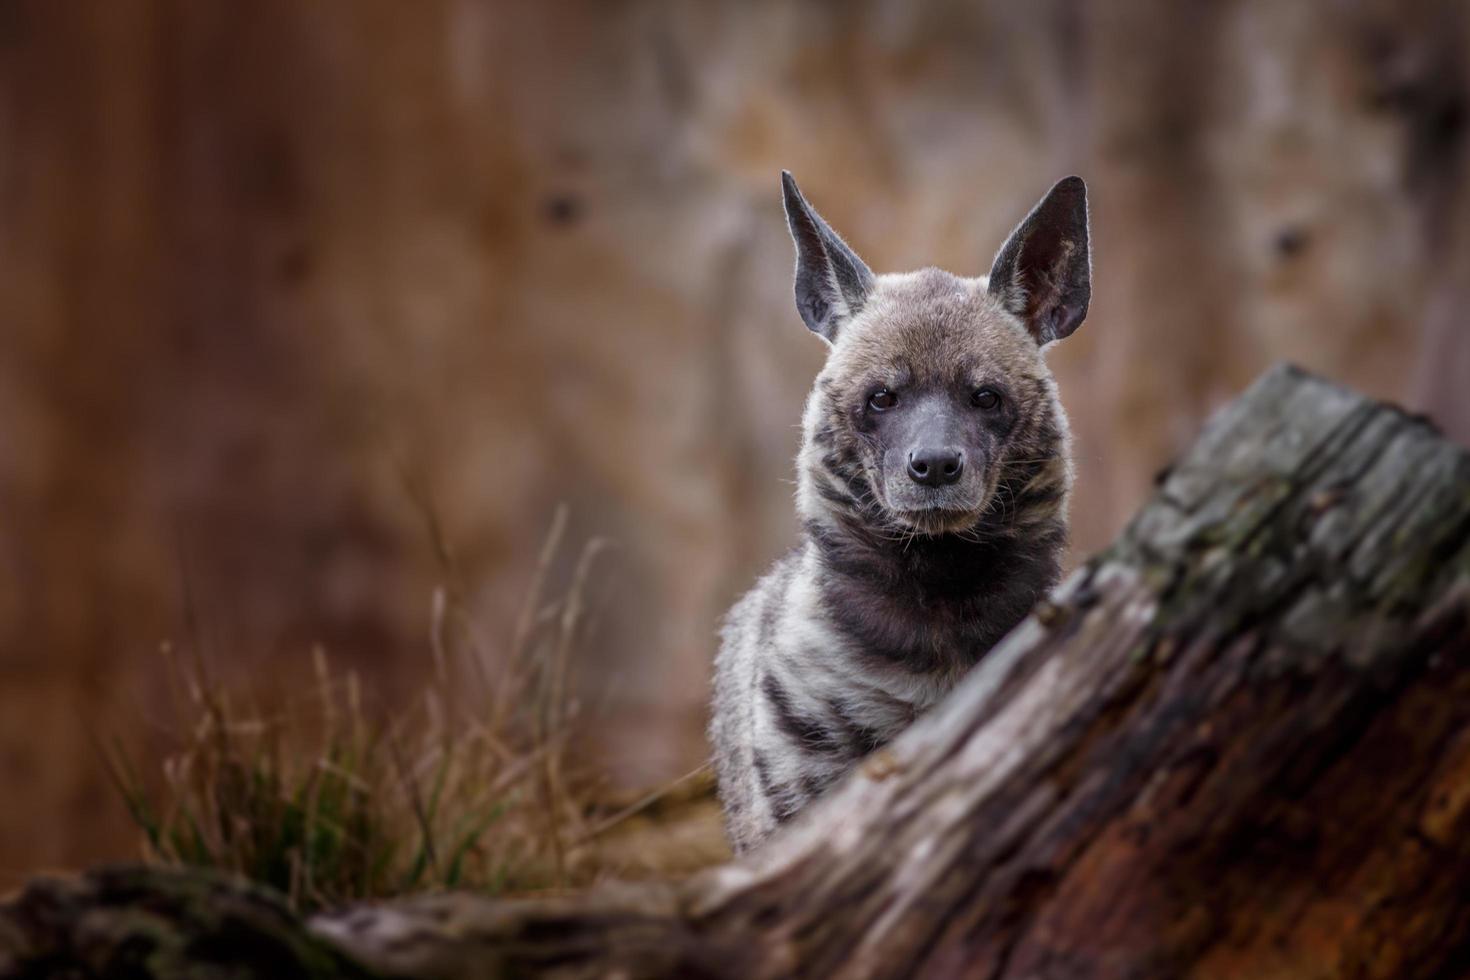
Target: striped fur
x,y
881,608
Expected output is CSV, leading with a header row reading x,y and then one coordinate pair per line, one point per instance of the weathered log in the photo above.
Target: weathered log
x,y
1237,743
146,923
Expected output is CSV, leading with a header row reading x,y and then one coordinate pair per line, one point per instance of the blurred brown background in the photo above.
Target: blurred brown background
x,y
272,270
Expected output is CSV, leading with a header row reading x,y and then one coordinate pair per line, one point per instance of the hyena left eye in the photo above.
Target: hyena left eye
x,y
986,399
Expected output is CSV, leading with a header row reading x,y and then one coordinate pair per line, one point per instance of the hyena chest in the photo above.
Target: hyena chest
x,y
824,707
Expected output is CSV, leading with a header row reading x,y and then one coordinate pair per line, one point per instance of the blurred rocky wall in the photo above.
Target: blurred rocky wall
x,y
278,280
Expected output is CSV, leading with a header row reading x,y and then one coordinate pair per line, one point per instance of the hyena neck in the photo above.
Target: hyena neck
x,y
927,603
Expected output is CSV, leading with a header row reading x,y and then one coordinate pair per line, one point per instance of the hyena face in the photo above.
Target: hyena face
x,y
935,396
932,390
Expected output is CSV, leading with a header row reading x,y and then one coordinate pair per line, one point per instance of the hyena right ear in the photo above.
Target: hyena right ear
x,y
832,283
1043,272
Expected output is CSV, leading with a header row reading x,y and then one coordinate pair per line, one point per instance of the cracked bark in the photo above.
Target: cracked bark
x,y
1236,743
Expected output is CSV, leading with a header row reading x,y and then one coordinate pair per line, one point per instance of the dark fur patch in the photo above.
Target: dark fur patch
x,y
783,805
814,785
1037,497
934,602
861,738
834,496
841,484
807,733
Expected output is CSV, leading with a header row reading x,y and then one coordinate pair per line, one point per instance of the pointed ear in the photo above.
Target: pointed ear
x,y
1043,272
832,283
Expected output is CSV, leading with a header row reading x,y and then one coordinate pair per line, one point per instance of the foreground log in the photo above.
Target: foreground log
x,y
1237,743
143,923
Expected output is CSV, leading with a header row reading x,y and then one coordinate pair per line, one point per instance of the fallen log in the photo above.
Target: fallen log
x,y
147,922
1236,743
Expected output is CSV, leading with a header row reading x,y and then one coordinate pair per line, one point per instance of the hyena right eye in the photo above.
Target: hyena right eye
x,y
882,400
985,399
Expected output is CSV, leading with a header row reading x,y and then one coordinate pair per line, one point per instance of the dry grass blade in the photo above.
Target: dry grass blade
x,y
553,704
465,786
642,803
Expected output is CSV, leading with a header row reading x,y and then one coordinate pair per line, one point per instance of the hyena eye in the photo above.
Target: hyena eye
x,y
882,400
986,399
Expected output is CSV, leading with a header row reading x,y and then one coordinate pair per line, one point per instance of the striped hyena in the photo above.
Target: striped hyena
x,y
932,489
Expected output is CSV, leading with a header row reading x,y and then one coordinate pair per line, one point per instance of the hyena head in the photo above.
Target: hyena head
x,y
935,413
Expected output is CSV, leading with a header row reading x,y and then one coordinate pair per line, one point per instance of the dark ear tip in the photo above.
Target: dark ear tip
x,y
1071,188
791,196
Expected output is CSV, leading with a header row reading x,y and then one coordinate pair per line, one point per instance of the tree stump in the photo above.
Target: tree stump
x,y
1236,743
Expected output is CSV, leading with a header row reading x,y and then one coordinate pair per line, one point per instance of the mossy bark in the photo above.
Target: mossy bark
x,y
1237,743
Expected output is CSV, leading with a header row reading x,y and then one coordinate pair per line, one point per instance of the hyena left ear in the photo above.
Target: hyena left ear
x,y
1043,273
832,283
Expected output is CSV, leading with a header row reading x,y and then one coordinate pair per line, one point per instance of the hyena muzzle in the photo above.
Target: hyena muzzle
x,y
932,488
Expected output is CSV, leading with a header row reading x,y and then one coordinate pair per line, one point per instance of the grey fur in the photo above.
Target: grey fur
x,y
832,283
900,585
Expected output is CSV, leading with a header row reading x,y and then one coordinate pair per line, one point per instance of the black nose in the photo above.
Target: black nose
x,y
936,467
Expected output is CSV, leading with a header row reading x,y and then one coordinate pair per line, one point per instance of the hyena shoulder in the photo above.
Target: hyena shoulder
x,y
747,629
